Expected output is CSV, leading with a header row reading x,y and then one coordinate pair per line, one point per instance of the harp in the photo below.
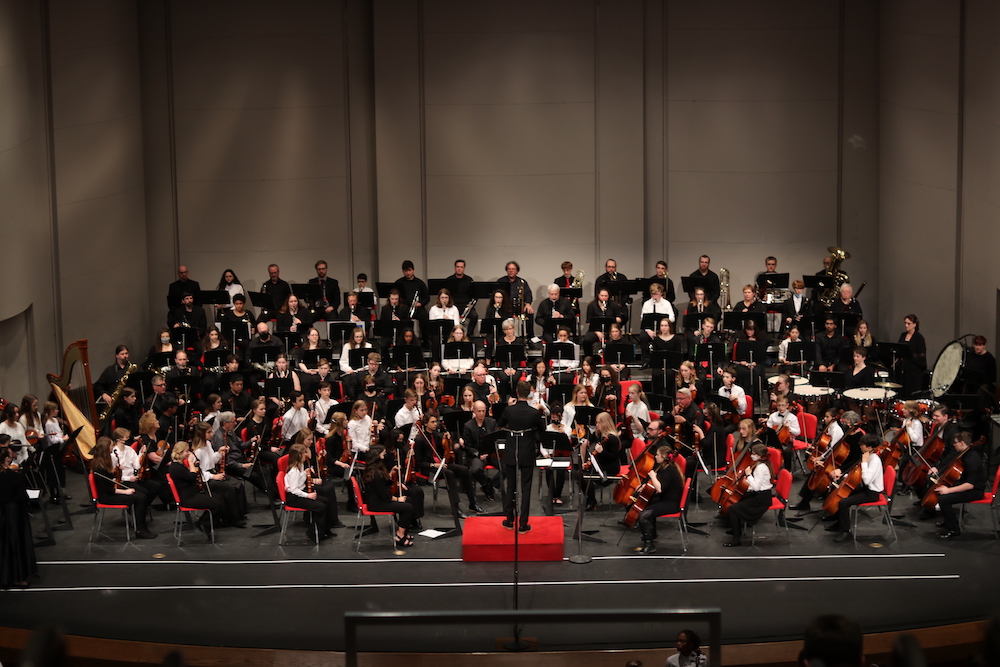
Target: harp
x,y
74,392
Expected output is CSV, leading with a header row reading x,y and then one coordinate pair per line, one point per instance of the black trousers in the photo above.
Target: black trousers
x,y
860,496
510,474
948,502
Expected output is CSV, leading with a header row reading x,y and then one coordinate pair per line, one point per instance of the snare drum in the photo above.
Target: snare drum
x,y
866,396
813,397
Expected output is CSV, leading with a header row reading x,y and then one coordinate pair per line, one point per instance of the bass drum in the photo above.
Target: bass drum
x,y
947,368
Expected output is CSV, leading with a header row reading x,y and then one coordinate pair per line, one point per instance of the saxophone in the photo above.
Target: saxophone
x,y
724,287
116,394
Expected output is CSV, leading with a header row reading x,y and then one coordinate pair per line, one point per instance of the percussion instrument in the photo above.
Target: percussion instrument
x,y
797,381
947,368
869,395
812,396
924,407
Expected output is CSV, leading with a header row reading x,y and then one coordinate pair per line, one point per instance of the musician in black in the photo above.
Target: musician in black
x,y
828,346
713,287
796,306
662,278
553,308
240,320
277,289
109,379
607,280
190,316
667,481
688,421
429,452
847,304
460,285
473,432
602,306
971,484
251,459
180,286
519,293
413,294
980,367
352,312
112,493
525,427
328,304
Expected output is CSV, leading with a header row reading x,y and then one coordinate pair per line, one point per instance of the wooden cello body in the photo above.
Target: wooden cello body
x,y
915,472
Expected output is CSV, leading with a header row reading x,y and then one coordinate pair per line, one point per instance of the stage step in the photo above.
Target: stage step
x,y
484,539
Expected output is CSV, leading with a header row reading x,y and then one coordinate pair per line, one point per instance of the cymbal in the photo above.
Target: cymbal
x,y
834,250
889,385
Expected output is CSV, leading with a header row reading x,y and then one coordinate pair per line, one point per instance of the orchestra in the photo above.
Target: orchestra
x,y
208,389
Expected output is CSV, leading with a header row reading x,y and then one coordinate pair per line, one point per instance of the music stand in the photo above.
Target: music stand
x,y
407,357
562,392
366,300
440,328
161,360
602,324
491,327
219,297
560,351
829,379
290,339
458,350
660,403
692,321
773,281
846,322
455,420
278,388
651,321
142,382
753,352
307,292
391,328
340,332
510,356
553,324
733,321
264,303
215,359
383,289
802,354
239,332
710,352
619,353
357,357
184,337
263,355
621,291
311,357
726,407
690,283
811,324
453,386
182,385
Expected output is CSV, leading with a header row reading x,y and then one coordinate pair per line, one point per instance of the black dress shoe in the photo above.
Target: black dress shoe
x,y
647,549
524,529
145,535
949,535
509,525
476,509
734,543
462,515
833,528
843,537
339,524
800,507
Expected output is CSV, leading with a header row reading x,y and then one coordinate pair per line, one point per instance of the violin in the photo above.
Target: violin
x,y
253,451
31,435
309,480
195,466
275,439
448,446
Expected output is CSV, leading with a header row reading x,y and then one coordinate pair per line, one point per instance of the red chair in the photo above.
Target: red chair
x,y
187,510
283,463
779,501
654,415
884,502
285,509
623,399
363,510
807,430
748,413
988,498
775,456
99,516
680,516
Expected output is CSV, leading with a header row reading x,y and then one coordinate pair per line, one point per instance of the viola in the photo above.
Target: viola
x,y
321,458
309,480
448,446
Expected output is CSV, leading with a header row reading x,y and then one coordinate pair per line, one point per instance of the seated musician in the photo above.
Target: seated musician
x,y
636,412
360,428
554,308
688,420
829,343
657,304
860,374
601,307
616,335
469,452
757,499
607,280
665,340
508,337
271,346
605,447
913,424
212,464
780,419
851,422
732,391
213,341
609,391
321,408
295,418
578,398
379,498
667,480
190,316
128,410
338,443
457,364
483,384
782,388
394,310
235,398
701,305
555,479
429,452
539,379
863,337
354,312
705,335
184,471
383,381
793,337
240,316
292,317
128,462
444,309
847,303
356,342
971,484
565,365
866,492
245,459
687,378
113,374
183,369
662,278
282,371
181,286
750,302
830,427
409,414
519,293
750,373
499,307
162,343
797,306
320,501
112,492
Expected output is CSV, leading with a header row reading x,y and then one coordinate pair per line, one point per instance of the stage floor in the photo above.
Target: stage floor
x,y
250,592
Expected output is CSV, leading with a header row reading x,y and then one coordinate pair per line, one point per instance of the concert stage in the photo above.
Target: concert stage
x,y
249,592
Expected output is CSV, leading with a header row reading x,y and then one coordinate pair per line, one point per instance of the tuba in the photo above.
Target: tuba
x,y
724,288
830,294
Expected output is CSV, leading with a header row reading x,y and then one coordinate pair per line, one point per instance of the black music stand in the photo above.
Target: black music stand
x,y
441,329
311,357
263,355
587,416
846,322
238,332
553,324
159,360
601,324
733,321
215,360
182,385
810,324
661,403
560,351
710,352
773,281
142,382
819,284
560,393
651,321
455,420
621,291
891,354
753,352
458,350
690,283
264,303
340,333
308,293
366,300
407,357
391,329
289,339
383,289
453,386
559,461
491,327
619,353
829,379
184,337
357,358
692,321
219,297
726,407
510,356
801,354
278,388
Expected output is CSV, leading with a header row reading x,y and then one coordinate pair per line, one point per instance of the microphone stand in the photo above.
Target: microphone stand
x,y
516,644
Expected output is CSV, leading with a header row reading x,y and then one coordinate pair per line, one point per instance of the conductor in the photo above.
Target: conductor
x,y
525,426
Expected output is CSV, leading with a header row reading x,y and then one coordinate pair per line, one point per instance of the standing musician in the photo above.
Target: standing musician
x,y
430,454
661,278
184,471
797,305
667,480
113,492
526,428
971,484
702,306
320,501
553,308
566,280
460,286
914,368
519,293
756,501
183,284
869,489
714,288
473,432
277,289
830,427
414,294
378,496
828,346
609,278
981,366
112,375
600,307
329,293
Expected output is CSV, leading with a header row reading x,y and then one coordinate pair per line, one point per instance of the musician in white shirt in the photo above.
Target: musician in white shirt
x,y
297,418
409,414
869,490
444,309
732,391
779,419
657,304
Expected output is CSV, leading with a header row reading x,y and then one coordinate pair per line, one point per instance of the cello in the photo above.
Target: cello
x,y
947,477
819,446
729,488
915,472
637,473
